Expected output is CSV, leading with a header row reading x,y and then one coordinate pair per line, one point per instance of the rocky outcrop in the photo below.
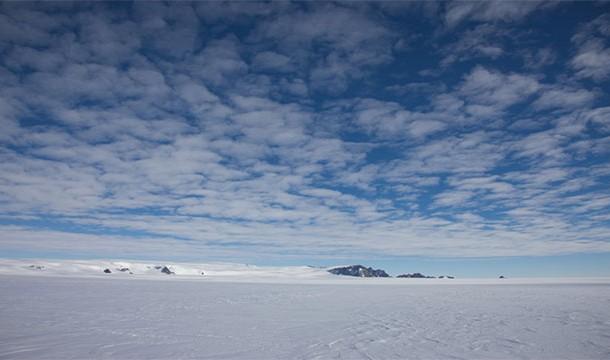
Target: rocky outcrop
x,y
359,271
107,271
416,276
167,271
124,269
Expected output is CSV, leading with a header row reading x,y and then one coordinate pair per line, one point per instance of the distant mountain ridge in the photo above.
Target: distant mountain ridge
x,y
359,271
416,276
363,271
137,269
239,272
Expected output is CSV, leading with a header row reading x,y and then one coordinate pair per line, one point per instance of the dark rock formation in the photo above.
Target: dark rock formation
x,y
416,276
107,271
358,270
502,277
166,270
36,267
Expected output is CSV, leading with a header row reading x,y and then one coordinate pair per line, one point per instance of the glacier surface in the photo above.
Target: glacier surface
x,y
308,315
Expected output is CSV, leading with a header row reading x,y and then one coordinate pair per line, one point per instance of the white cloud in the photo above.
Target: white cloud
x,y
453,198
538,58
600,117
592,60
468,153
495,10
218,61
269,60
563,97
593,54
346,40
160,122
490,92
484,41
391,120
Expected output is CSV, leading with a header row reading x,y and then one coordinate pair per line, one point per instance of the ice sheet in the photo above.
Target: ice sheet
x,y
121,317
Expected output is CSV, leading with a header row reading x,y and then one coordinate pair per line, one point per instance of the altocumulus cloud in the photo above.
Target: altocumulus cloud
x,y
304,129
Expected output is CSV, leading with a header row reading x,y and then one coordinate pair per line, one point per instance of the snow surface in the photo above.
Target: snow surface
x,y
72,310
142,270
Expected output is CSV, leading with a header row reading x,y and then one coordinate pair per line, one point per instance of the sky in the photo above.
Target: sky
x,y
470,138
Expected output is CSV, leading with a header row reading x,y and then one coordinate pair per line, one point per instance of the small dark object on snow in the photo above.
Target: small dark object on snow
x,y
202,273
36,267
502,277
107,271
124,270
167,271
358,270
450,277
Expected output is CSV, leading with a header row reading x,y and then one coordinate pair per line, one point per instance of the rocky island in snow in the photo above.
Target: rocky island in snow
x,y
359,271
416,276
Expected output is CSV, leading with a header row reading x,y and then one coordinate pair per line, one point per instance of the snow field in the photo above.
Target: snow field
x,y
51,317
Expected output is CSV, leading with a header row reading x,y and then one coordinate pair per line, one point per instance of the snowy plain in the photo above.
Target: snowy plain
x,y
72,310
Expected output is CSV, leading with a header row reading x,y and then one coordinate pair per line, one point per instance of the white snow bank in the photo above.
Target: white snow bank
x,y
136,269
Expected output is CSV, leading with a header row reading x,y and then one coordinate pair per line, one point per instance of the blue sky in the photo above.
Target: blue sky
x,y
470,138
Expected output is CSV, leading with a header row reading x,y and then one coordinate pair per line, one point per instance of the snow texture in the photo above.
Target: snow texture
x,y
313,315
